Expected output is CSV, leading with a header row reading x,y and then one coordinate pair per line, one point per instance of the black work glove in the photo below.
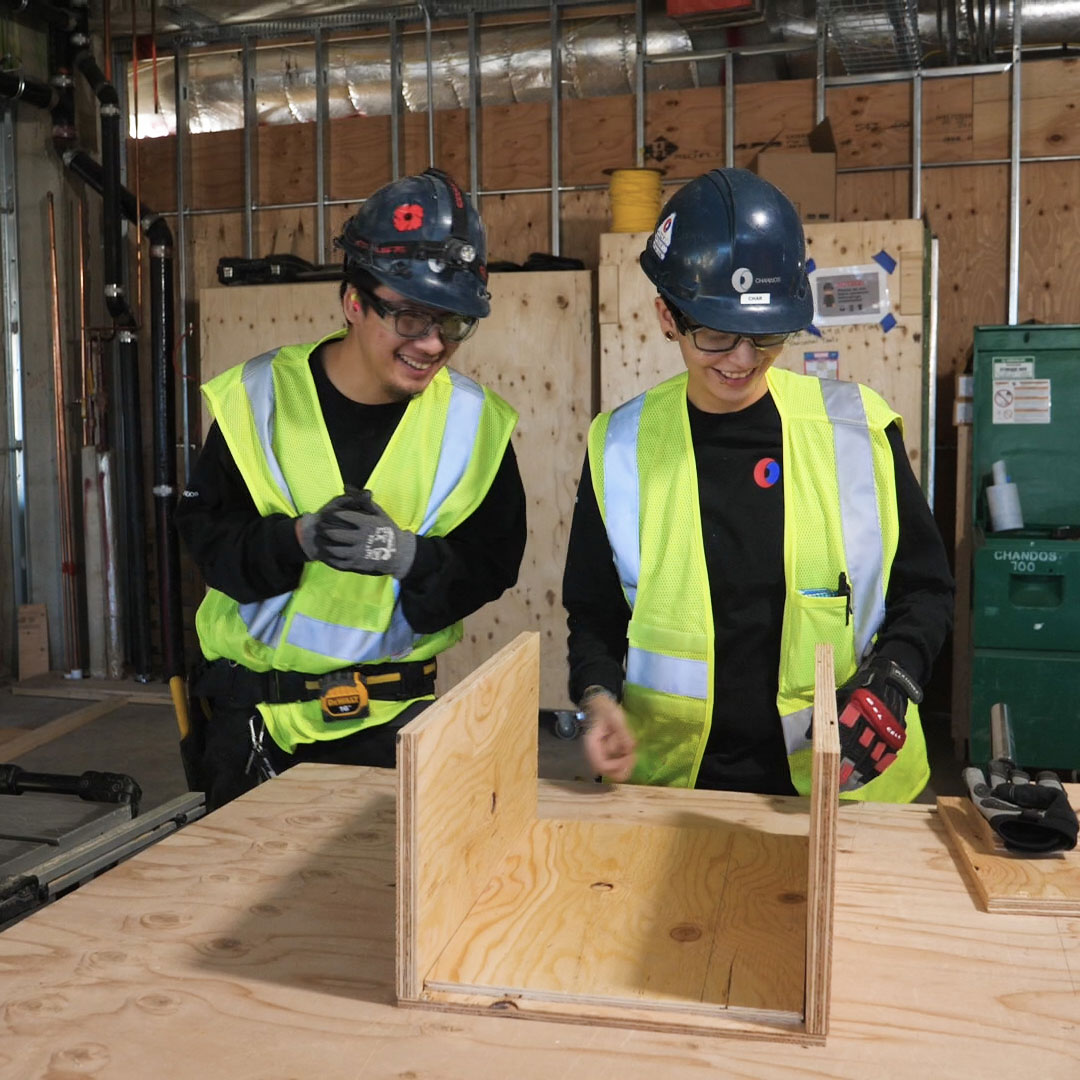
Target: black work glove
x,y
870,708
1032,818
352,532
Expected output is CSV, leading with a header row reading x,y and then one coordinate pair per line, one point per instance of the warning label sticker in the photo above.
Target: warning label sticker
x,y
1021,401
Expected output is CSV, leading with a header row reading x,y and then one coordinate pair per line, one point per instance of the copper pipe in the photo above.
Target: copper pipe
x,y
135,164
67,539
107,30
84,356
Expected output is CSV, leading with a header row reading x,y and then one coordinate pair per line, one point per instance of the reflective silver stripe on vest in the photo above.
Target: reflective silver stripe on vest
x,y
265,619
796,727
459,438
668,674
351,644
622,493
859,516
258,380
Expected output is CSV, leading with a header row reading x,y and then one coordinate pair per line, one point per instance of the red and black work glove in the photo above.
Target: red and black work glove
x,y
871,707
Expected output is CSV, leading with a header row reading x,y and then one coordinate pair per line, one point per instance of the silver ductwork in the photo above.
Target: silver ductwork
x,y
597,58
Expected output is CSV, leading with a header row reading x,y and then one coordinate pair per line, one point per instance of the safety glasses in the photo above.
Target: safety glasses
x,y
412,323
723,341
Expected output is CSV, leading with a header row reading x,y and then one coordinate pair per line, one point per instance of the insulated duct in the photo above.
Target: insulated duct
x,y
597,58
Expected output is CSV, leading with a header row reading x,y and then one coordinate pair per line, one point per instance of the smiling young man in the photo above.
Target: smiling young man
x,y
732,517
355,499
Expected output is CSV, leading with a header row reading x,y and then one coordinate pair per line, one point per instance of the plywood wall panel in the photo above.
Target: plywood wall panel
x,y
156,172
873,196
596,134
517,225
516,149
1050,242
967,208
286,164
359,161
771,114
586,215
536,350
635,356
216,171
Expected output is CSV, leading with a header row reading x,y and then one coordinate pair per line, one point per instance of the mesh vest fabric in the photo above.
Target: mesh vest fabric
x,y
670,635
435,471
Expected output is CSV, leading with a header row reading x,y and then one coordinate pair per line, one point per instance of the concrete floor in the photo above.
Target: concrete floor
x,y
140,739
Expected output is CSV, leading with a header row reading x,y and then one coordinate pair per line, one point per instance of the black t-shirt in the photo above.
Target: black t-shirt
x,y
740,473
250,557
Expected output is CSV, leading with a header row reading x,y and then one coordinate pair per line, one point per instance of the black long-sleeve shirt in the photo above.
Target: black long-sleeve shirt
x,y
250,557
743,532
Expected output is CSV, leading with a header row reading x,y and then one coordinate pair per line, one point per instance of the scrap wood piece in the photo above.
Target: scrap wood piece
x,y
1005,882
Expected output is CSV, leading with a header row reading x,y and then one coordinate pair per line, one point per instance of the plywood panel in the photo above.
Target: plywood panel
x,y
967,209
635,356
771,114
535,350
359,158
517,225
873,196
467,790
1050,242
216,171
640,913
1006,882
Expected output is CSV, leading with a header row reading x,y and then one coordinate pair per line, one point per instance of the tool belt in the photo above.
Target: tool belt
x,y
343,694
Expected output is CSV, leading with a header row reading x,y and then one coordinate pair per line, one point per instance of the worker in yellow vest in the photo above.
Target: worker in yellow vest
x,y
732,517
355,499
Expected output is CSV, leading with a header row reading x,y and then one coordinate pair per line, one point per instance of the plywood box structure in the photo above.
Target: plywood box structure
x,y
535,350
889,358
700,924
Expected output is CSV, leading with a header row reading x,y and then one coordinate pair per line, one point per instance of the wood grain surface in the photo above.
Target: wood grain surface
x,y
468,790
635,356
1005,881
535,350
259,943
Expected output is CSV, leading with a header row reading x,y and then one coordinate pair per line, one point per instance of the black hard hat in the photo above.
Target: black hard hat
x,y
420,237
729,252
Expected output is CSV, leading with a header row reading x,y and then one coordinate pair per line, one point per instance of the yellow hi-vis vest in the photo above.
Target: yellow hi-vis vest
x,y
435,471
840,515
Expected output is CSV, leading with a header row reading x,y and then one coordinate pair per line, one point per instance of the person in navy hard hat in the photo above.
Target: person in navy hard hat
x,y
734,516
355,499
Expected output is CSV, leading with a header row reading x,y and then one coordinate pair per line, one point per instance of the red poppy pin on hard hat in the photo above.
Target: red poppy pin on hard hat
x,y
408,216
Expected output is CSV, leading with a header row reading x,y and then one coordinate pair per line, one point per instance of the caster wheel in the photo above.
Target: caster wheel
x,y
566,725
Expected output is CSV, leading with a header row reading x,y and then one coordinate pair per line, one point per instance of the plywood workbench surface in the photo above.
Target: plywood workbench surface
x,y
259,943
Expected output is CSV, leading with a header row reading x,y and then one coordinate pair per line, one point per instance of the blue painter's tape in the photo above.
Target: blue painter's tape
x,y
888,322
811,266
885,261
812,329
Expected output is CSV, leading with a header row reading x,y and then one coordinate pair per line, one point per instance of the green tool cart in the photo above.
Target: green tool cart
x,y
1026,580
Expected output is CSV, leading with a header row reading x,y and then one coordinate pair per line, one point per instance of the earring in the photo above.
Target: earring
x,y
669,335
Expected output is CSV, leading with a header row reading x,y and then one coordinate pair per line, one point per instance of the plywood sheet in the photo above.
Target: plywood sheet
x,y
467,790
1005,882
661,917
634,354
33,640
536,350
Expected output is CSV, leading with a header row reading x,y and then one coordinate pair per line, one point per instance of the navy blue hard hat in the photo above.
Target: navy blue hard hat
x,y
728,251
420,237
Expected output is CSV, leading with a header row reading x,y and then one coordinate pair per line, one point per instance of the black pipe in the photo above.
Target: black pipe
x,y
164,393
33,93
